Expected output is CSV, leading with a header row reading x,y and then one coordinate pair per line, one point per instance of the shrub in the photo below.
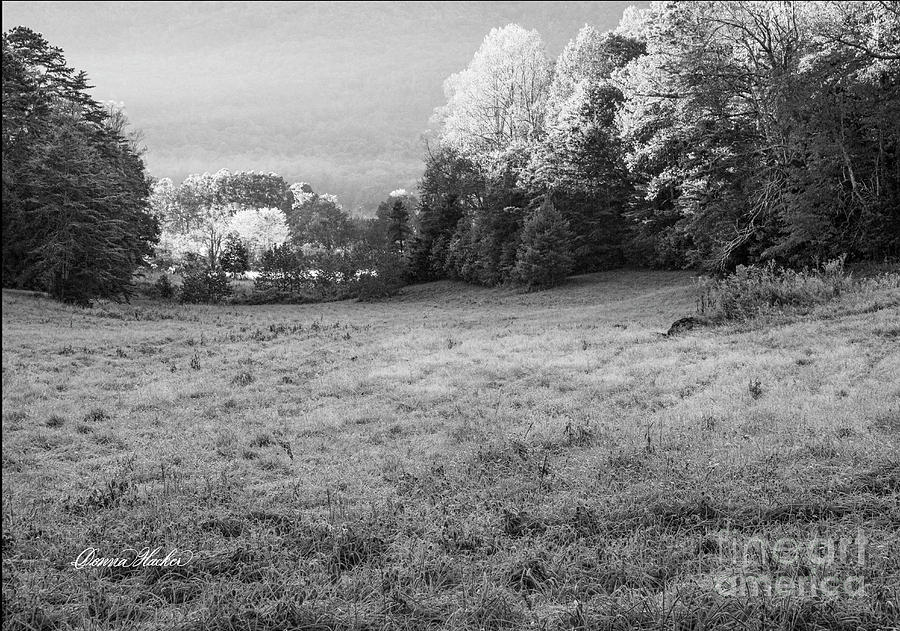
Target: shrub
x,y
288,275
282,269
754,290
381,275
163,287
201,284
371,287
336,274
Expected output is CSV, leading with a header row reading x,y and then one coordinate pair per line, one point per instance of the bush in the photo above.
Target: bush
x,y
753,290
336,274
381,276
283,269
200,284
544,257
163,287
290,276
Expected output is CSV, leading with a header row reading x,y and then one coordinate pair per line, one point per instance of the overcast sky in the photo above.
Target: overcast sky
x,y
336,94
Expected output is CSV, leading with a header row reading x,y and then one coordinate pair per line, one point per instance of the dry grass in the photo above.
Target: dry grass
x,y
455,458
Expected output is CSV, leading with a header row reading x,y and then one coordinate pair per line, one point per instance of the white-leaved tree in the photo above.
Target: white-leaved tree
x,y
587,61
260,228
498,101
202,198
163,202
197,215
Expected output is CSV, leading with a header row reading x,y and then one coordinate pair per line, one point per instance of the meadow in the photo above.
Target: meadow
x,y
456,457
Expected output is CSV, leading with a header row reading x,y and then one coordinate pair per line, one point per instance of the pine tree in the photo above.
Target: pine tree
x,y
398,229
235,258
544,257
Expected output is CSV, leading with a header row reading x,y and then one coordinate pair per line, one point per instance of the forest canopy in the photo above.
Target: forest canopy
x,y
696,134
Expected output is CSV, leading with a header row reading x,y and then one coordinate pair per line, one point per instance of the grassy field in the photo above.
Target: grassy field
x,y
454,458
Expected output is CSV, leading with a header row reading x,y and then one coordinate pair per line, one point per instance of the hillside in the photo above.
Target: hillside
x,y
460,457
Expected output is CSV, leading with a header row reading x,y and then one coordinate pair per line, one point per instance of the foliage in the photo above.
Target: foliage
x,y
469,220
698,134
482,249
317,220
590,59
235,257
290,275
198,213
75,219
498,101
581,156
260,229
544,256
283,268
488,170
393,224
383,281
754,290
452,186
202,284
335,273
765,131
163,287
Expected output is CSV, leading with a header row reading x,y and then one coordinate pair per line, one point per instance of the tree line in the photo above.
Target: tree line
x,y
301,244
81,217
696,134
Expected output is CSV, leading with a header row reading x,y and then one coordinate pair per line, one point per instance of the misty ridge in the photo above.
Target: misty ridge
x,y
560,325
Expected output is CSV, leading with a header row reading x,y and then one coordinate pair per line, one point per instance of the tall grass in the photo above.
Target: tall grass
x,y
758,290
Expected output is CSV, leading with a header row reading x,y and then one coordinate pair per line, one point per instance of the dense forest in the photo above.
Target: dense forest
x,y
695,135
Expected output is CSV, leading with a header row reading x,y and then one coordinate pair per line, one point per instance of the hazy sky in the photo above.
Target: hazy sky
x,y
336,94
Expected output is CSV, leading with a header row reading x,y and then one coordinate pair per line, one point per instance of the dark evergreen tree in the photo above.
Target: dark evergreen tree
x,y
398,229
544,257
75,218
235,257
200,283
450,189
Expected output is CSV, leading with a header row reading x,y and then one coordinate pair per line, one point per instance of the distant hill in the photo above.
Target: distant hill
x,y
336,94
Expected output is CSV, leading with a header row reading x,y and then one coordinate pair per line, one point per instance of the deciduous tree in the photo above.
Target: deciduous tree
x,y
498,101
